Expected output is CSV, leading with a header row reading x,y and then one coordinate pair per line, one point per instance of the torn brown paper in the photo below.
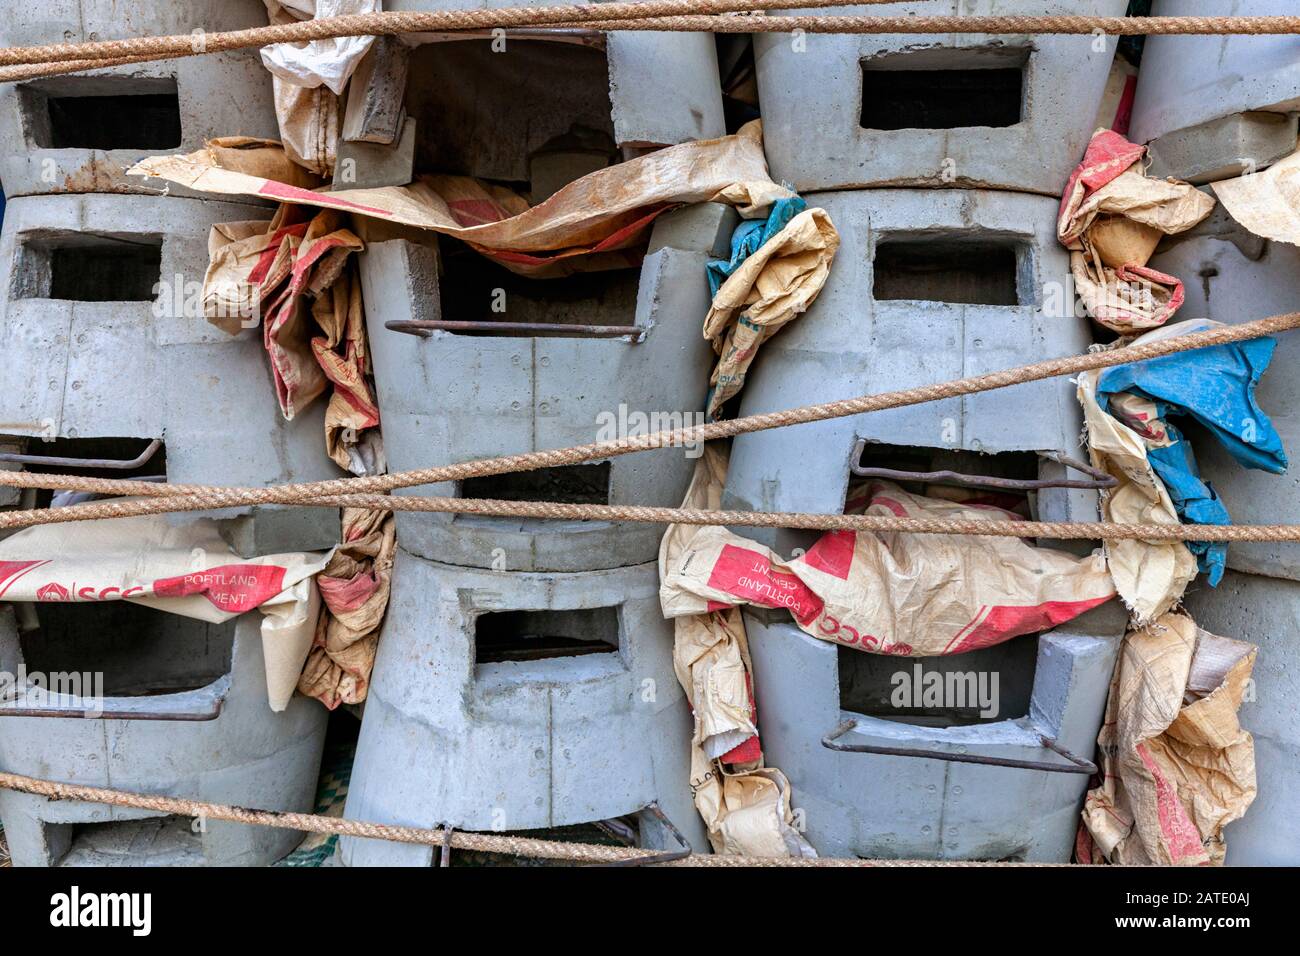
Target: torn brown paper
x,y
354,586
1112,216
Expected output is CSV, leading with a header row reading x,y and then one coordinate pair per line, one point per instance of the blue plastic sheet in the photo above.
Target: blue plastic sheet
x,y
1216,387
749,237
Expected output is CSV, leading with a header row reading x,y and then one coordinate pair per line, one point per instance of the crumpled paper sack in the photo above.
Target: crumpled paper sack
x,y
1177,765
1130,441
354,586
1112,216
1150,576
297,274
308,79
1267,203
913,595
745,804
773,285
590,224
184,569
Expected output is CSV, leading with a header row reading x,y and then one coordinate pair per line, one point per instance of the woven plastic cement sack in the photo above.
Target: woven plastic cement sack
x,y
914,595
1177,765
184,569
589,224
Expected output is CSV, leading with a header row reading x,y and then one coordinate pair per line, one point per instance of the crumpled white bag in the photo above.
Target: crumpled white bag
x,y
318,62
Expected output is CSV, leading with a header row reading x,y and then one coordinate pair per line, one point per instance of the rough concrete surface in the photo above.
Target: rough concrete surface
x,y
845,111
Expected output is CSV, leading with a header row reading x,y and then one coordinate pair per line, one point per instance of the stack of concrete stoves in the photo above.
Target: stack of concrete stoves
x,y
1212,108
524,677
111,370
940,160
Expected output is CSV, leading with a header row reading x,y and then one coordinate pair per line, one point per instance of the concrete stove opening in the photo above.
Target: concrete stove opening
x,y
101,112
571,484
962,270
476,289
944,89
528,636
499,113
912,464
990,684
162,841
87,267
140,651
983,686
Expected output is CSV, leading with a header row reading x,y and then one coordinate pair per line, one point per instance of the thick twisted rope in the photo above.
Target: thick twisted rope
x,y
158,498
391,23
483,842
18,63
647,514
653,15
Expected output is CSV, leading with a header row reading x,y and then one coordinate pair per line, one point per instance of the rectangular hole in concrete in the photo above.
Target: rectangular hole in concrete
x,y
155,841
84,267
954,690
517,636
910,458
140,651
739,79
97,453
868,682
535,117
944,89
571,484
941,269
102,112
475,289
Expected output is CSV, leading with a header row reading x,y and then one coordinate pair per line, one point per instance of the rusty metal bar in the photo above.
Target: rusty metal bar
x,y
444,856
426,327
1086,766
1097,480
111,464
667,857
1077,764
